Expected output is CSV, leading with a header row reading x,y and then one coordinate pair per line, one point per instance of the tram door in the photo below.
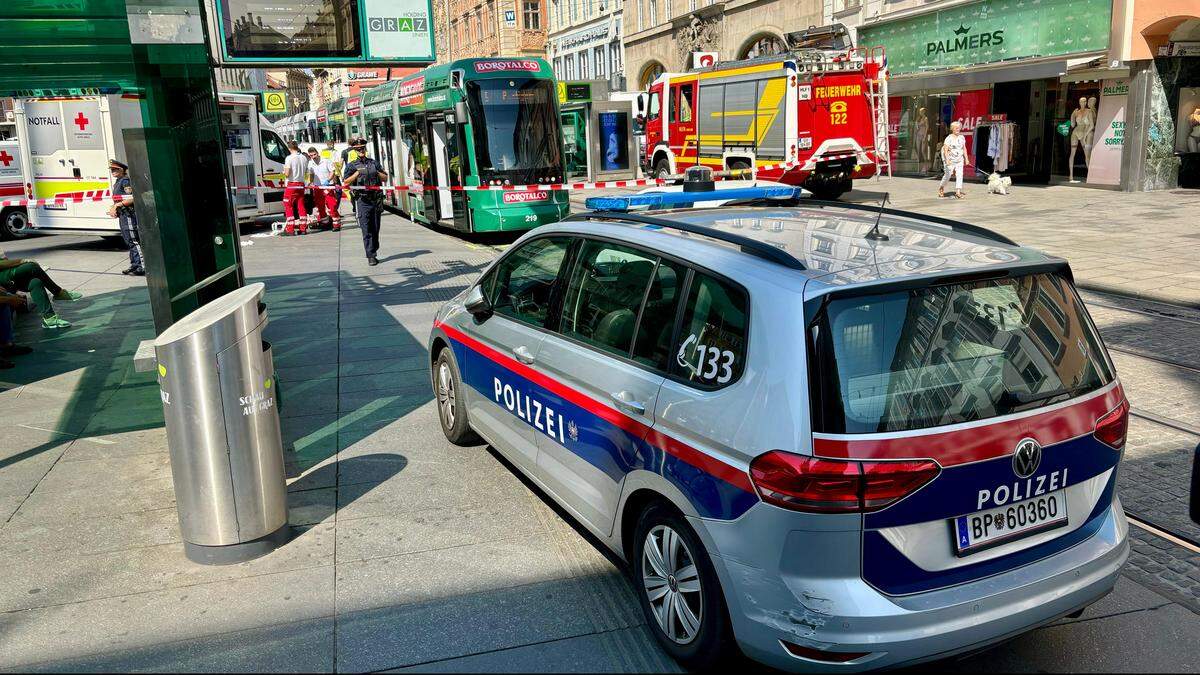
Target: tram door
x,y
381,146
450,205
441,166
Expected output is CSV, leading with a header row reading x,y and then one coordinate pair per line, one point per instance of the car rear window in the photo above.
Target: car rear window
x,y
952,353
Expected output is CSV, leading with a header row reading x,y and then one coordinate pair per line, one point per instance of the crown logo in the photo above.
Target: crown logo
x,y
961,30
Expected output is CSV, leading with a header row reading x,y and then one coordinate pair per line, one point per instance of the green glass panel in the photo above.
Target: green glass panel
x,y
176,157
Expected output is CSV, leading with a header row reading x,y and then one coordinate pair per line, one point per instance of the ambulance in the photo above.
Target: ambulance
x,y
810,117
14,220
64,144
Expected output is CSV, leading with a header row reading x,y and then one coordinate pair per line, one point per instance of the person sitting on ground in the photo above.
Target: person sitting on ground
x,y
26,276
9,303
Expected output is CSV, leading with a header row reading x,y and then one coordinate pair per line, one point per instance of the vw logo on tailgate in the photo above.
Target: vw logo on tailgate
x,y
1027,457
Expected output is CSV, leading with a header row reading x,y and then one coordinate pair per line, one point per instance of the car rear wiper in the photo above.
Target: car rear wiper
x,y
1068,393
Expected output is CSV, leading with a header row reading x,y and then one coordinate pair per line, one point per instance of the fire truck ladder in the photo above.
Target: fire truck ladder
x,y
878,91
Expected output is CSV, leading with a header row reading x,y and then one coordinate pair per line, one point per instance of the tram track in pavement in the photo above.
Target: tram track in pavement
x,y
1177,315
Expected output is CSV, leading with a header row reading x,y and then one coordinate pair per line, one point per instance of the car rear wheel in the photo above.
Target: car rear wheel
x,y
452,409
14,224
679,591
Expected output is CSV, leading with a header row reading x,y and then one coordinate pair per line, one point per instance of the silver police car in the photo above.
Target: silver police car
x,y
835,437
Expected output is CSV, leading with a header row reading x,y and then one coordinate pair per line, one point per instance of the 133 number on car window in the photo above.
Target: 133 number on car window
x,y
710,363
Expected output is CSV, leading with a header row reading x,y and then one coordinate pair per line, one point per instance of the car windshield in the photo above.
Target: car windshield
x,y
951,353
516,129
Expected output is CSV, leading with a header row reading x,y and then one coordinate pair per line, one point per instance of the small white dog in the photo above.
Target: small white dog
x,y
998,184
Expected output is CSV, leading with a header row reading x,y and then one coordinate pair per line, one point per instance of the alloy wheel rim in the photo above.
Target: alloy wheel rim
x,y
445,395
671,583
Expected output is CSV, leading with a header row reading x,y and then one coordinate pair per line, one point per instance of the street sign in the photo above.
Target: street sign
x,y
274,101
510,17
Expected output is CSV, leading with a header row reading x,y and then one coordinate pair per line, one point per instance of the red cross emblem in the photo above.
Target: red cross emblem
x,y
81,121
6,158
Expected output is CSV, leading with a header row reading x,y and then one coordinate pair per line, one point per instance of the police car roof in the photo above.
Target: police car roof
x,y
826,240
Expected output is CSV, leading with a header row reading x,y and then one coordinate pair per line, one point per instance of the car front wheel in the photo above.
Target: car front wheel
x,y
679,590
451,407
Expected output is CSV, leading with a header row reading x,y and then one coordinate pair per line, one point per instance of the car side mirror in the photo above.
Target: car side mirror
x,y
1195,505
477,304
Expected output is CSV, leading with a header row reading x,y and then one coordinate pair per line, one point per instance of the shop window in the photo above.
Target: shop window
x,y
1188,124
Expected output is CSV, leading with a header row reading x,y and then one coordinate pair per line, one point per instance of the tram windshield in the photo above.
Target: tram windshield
x,y
516,129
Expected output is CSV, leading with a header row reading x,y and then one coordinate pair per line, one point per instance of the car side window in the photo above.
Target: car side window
x,y
711,348
652,345
604,295
523,282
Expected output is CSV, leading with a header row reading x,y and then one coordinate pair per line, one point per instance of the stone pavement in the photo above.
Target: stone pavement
x,y
408,553
1144,244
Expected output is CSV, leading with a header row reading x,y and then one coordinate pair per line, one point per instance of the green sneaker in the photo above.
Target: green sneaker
x,y
68,295
55,321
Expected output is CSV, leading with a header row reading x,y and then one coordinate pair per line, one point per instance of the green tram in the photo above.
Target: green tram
x,y
335,121
471,122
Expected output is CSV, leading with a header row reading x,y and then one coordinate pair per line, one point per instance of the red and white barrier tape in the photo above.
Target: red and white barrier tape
x,y
418,187
80,198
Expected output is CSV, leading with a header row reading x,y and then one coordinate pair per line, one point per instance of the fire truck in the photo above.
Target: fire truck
x,y
811,117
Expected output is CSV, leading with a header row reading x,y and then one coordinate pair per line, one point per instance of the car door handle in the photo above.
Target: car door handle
x,y
624,399
523,354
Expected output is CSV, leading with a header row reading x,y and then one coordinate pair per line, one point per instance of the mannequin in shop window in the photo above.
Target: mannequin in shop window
x,y
1193,139
923,141
1083,124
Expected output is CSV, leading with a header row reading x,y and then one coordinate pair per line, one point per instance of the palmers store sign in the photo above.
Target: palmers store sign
x,y
990,31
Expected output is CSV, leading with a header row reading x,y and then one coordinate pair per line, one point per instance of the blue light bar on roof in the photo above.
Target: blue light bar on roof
x,y
662,200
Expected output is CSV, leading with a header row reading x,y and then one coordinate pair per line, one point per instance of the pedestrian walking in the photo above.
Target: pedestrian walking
x,y
122,209
325,200
954,158
366,175
295,168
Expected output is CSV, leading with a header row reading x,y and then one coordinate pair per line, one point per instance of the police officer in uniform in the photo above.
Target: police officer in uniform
x,y
122,209
364,172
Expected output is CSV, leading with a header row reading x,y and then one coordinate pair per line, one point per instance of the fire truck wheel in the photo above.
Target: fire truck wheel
x,y
662,169
14,223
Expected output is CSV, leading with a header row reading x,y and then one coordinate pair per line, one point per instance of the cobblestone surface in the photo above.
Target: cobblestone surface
x,y
1155,478
1168,568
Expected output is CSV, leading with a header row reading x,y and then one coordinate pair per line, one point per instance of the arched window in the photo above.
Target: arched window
x,y
762,45
650,72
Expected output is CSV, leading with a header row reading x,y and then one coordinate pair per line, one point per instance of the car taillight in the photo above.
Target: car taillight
x,y
1112,426
821,485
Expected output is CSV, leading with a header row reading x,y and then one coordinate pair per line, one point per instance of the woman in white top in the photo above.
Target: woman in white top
x,y
954,158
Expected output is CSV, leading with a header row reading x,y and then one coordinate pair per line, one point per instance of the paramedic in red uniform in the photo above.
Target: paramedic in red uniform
x,y
296,169
325,175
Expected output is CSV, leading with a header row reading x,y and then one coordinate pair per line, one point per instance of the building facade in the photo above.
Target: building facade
x,y
1082,92
662,35
585,40
483,28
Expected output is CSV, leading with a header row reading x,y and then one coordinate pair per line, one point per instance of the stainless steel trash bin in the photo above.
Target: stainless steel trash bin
x,y
218,393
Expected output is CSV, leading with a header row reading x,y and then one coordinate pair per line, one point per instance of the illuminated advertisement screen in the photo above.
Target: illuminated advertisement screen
x,y
291,28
